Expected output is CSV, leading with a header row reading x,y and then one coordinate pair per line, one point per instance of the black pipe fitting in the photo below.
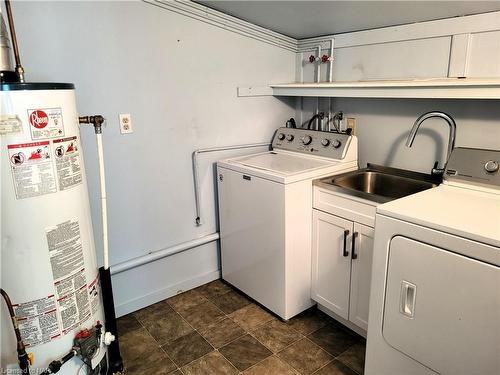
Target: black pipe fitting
x,y
96,121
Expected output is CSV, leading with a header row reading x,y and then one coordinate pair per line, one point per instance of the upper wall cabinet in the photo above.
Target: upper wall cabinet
x,y
475,55
438,52
421,58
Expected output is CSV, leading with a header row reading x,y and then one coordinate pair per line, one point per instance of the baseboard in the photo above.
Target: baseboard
x,y
345,322
164,293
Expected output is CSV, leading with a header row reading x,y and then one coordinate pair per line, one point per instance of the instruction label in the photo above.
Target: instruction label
x,y
68,166
65,249
67,262
73,301
38,321
46,123
32,170
10,124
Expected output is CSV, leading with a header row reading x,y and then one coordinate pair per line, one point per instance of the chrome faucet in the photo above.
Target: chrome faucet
x,y
451,139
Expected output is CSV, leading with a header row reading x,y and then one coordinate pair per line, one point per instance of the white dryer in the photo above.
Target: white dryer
x,y
265,213
435,298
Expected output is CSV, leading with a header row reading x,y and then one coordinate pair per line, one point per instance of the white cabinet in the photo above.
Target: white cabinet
x,y
341,266
331,262
361,274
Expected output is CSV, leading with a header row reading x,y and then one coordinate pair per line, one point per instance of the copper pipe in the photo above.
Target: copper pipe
x,y
22,356
10,18
12,314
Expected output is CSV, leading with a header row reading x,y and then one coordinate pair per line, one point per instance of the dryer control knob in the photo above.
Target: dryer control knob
x,y
325,142
306,139
336,143
491,166
281,136
290,137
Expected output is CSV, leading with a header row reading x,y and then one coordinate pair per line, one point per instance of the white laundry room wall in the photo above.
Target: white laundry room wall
x,y
178,77
384,125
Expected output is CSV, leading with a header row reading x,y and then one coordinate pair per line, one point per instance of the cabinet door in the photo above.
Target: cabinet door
x,y
361,273
331,262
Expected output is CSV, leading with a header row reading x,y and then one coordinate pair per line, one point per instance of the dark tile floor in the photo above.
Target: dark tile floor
x,y
214,329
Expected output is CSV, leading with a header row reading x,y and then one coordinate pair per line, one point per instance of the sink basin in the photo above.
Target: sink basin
x,y
381,184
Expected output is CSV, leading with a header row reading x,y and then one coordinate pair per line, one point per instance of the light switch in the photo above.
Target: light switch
x,y
126,123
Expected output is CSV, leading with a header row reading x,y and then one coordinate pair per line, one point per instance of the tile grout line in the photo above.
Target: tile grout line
x,y
200,333
244,332
174,310
333,357
344,363
159,345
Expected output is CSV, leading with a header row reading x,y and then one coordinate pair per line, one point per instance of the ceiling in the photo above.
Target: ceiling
x,y
304,19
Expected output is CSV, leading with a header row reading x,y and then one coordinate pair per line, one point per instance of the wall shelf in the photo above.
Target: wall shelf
x,y
442,88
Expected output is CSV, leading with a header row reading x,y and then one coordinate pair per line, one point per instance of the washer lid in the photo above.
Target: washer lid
x,y
285,164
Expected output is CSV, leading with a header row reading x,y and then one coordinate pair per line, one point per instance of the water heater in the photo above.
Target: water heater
x,y
48,261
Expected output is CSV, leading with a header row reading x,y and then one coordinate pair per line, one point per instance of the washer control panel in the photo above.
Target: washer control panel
x,y
475,165
312,142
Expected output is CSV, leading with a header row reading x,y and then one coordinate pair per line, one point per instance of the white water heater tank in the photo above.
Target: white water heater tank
x,y
48,261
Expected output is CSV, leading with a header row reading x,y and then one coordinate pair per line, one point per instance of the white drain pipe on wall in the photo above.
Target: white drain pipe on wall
x,y
184,246
104,205
330,68
163,253
196,176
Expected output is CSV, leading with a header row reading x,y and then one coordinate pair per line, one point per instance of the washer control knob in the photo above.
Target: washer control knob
x,y
491,166
306,139
290,137
336,143
325,142
281,136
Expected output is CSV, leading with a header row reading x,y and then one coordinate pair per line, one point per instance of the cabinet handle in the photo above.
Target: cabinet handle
x,y
353,248
345,252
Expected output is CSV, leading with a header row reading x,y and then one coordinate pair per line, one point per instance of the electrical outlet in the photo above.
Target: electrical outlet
x,y
351,123
125,123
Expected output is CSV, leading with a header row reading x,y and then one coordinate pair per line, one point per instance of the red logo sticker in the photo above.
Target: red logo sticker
x,y
39,119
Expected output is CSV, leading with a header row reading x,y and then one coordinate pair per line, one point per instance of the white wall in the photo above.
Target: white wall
x,y
178,79
384,124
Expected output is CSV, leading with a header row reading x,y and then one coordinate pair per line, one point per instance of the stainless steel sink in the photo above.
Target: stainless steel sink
x,y
381,184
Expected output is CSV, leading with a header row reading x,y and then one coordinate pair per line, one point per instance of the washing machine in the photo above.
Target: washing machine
x,y
265,214
435,298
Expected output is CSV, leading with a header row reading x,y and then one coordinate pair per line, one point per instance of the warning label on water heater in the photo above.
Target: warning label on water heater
x,y
46,123
67,156
67,262
32,169
38,321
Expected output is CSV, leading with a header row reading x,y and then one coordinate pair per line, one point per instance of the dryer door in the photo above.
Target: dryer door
x,y
442,309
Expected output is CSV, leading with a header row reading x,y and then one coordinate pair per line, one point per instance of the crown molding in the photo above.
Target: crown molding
x,y
213,17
